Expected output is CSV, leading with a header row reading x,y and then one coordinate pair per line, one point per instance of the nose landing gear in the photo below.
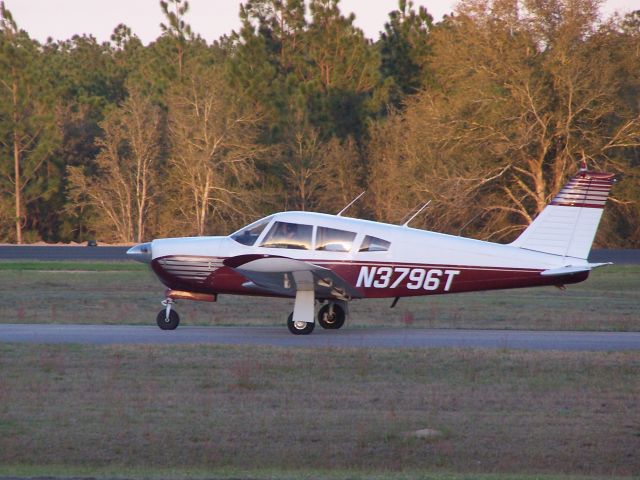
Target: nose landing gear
x,y
167,318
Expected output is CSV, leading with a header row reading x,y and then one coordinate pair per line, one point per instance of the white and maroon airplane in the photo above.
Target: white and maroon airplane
x,y
331,259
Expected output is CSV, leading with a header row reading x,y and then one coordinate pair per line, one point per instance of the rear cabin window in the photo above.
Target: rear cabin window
x,y
249,234
374,244
288,235
334,240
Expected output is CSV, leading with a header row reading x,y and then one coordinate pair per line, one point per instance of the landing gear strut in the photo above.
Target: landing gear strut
x,y
167,318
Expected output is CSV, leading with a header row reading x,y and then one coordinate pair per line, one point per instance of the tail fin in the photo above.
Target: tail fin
x,y
567,226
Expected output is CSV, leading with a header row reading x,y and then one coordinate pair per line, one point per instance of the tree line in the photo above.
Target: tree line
x,y
485,114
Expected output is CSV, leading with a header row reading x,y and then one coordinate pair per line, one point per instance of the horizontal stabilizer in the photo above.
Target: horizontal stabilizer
x,y
569,269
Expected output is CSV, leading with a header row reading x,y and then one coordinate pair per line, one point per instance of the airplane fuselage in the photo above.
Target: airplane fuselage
x,y
416,262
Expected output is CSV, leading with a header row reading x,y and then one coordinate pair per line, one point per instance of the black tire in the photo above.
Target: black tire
x,y
297,328
331,322
170,323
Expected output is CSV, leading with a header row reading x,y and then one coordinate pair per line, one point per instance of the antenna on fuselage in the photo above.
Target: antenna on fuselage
x,y
406,224
339,214
479,214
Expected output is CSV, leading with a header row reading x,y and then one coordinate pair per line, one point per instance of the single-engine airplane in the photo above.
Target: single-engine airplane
x,y
331,259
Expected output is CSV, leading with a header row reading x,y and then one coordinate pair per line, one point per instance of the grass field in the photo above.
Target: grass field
x,y
212,408
62,266
89,293
248,412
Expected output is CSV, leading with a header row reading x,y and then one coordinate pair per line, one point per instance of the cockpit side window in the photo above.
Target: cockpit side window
x,y
288,235
334,240
249,234
374,244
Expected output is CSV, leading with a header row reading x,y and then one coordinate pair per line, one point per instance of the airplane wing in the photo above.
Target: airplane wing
x,y
286,276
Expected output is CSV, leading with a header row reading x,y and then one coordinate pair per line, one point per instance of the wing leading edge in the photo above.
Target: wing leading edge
x,y
286,276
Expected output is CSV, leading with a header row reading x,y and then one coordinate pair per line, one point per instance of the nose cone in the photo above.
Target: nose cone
x,y
141,252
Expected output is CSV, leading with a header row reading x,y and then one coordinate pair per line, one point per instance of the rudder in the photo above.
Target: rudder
x,y
568,225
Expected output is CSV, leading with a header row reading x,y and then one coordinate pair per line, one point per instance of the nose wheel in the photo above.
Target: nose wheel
x,y
167,318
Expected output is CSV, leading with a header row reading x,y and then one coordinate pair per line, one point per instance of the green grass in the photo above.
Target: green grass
x,y
341,413
151,473
80,266
608,300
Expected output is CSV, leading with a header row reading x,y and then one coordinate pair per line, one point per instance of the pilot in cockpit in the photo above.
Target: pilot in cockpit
x,y
289,230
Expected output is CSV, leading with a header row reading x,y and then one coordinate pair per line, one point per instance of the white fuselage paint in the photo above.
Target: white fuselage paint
x,y
417,250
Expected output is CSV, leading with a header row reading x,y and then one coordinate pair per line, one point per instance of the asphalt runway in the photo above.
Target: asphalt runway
x,y
115,254
346,338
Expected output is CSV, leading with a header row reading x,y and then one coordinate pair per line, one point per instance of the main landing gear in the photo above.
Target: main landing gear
x,y
167,318
330,317
299,327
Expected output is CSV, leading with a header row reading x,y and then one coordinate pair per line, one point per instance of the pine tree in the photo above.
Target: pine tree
x,y
405,50
28,134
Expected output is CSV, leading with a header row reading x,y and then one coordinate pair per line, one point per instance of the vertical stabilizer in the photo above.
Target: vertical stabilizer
x,y
567,226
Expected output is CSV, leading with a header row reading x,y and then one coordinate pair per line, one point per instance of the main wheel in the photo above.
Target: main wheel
x,y
170,323
299,328
331,321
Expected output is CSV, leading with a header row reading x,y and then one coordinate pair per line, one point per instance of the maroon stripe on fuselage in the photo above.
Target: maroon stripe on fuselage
x,y
379,279
462,279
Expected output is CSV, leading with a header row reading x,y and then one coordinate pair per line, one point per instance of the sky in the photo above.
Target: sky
x,y
61,19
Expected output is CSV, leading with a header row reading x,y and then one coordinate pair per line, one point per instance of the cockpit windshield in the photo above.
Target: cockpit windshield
x,y
288,235
249,234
